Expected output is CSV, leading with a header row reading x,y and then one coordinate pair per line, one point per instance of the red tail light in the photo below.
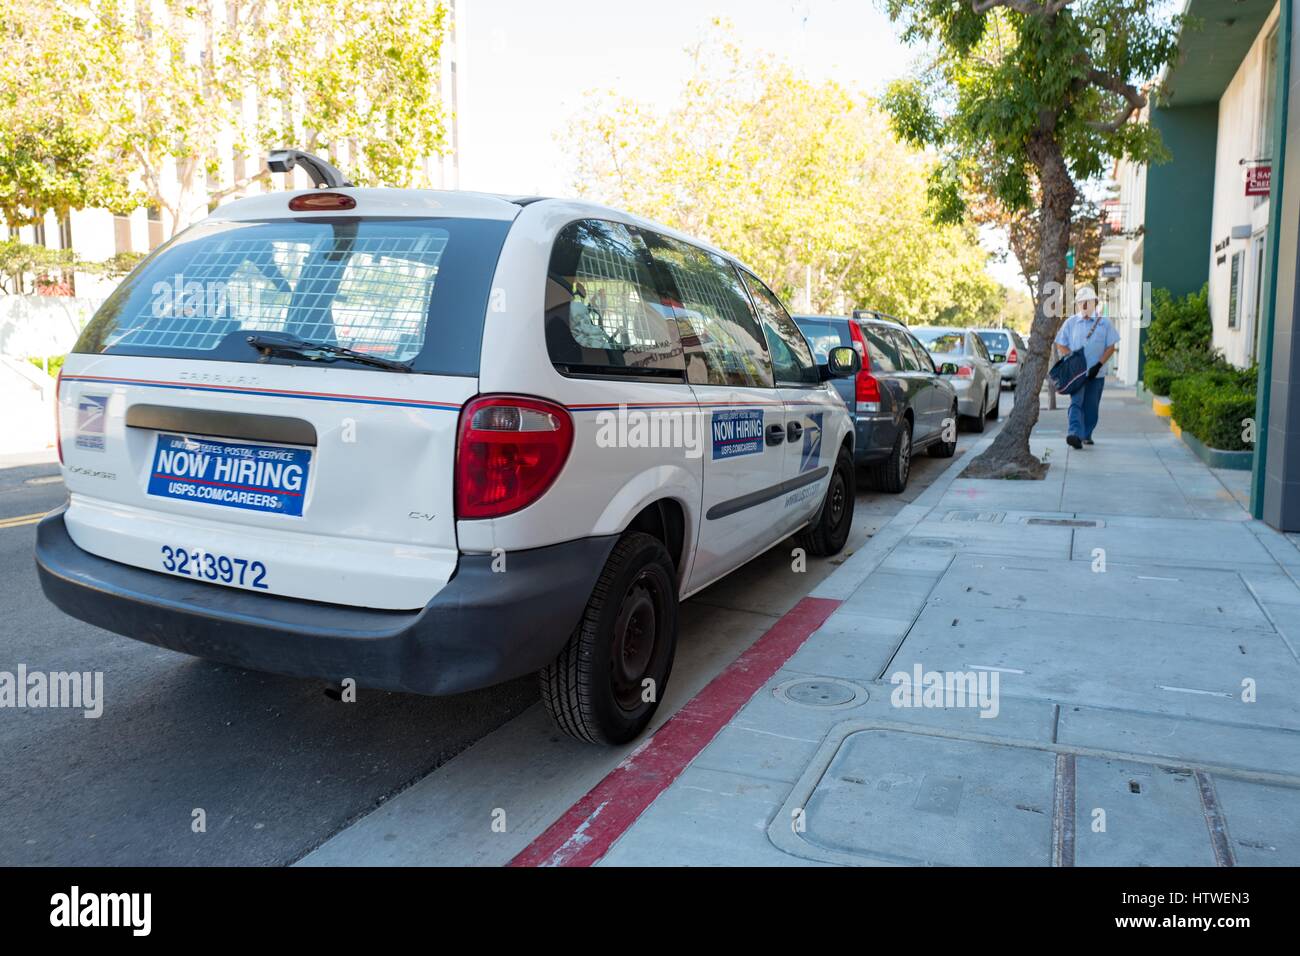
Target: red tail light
x,y
965,371
509,451
1011,356
866,388
321,202
58,423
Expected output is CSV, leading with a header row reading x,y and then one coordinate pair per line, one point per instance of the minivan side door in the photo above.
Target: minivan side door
x,y
810,406
743,419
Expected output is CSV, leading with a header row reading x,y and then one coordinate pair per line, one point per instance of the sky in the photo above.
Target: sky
x,y
528,63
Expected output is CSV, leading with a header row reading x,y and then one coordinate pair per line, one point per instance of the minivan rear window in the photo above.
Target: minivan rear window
x,y
411,290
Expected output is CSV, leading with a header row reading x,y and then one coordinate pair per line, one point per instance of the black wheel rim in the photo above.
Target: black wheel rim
x,y
838,498
636,639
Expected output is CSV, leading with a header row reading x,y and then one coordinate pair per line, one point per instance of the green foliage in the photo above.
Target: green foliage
x,y
53,364
1215,405
823,191
1179,326
1156,377
19,259
51,165
1210,397
1021,72
96,94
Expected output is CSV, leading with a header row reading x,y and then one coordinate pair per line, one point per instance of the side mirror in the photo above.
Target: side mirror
x,y
948,368
842,361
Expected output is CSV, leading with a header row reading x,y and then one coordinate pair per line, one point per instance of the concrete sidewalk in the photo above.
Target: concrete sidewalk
x,y
1134,635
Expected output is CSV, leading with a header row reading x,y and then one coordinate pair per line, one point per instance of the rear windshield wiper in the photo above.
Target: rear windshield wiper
x,y
278,343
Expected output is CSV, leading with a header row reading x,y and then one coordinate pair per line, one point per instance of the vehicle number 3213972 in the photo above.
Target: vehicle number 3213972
x,y
214,567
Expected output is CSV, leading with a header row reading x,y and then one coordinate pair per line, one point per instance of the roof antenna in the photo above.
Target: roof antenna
x,y
322,173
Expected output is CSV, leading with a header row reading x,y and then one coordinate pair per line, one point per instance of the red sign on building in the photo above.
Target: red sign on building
x,y
1258,179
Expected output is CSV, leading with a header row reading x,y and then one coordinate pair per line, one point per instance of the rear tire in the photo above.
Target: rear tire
x,y
827,537
977,421
891,474
997,406
595,689
946,449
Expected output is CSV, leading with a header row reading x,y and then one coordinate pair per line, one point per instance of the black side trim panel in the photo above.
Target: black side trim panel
x,y
482,628
203,421
725,508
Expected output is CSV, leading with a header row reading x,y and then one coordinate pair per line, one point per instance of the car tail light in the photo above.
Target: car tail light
x,y
965,371
508,452
321,202
866,387
58,417
1011,356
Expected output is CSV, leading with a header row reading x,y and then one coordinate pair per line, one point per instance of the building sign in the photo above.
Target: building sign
x,y
1258,179
1111,270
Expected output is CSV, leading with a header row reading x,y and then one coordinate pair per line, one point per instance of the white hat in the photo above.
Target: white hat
x,y
1085,294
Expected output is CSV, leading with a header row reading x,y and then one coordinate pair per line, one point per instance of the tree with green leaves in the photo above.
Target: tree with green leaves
x,y
53,153
802,180
1033,97
102,94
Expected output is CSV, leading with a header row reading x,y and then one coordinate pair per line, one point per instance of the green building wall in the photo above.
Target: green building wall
x,y
1180,207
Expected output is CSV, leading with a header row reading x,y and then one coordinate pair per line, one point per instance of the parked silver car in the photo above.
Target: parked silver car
x,y
970,370
1005,348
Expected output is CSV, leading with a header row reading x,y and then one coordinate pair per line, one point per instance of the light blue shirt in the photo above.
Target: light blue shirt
x,y
1074,335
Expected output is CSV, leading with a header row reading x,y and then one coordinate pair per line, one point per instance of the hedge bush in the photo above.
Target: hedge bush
x,y
1213,405
1179,326
1159,374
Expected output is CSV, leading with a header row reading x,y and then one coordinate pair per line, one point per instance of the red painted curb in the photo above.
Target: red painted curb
x,y
586,831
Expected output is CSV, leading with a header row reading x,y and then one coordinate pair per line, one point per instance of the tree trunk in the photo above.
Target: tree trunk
x,y
1009,456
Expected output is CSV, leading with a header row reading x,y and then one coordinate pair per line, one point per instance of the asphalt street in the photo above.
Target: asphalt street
x,y
275,765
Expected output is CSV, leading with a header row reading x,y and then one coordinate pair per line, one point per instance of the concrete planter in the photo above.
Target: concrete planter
x,y
1217,457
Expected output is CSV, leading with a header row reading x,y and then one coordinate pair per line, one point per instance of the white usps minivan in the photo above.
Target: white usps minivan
x,y
432,441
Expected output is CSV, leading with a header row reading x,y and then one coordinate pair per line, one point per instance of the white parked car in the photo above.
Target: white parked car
x,y
965,362
432,441
1005,349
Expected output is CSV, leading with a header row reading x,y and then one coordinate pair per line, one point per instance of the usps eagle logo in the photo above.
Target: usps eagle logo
x,y
812,442
91,410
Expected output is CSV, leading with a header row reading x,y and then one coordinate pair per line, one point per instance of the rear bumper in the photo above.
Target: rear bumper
x,y
873,439
482,628
970,397
1009,372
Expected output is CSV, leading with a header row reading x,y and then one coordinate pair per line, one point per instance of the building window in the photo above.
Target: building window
x,y
65,232
121,234
1267,97
155,227
1234,291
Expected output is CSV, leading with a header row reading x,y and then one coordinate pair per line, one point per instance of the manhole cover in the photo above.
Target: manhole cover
x,y
1065,522
821,692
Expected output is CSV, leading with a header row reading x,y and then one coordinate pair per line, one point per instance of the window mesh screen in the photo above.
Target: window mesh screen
x,y
368,292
